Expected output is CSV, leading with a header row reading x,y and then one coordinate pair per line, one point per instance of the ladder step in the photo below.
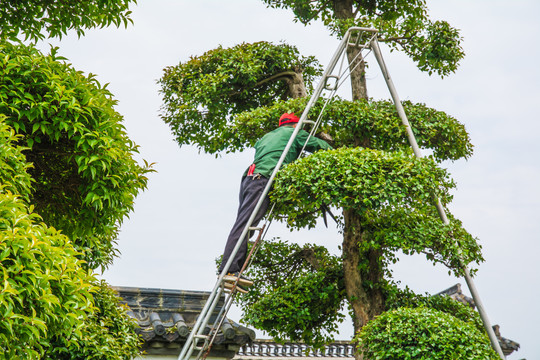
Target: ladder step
x,y
254,228
200,337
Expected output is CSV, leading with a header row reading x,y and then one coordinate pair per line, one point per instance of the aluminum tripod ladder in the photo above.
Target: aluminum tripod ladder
x,y
364,39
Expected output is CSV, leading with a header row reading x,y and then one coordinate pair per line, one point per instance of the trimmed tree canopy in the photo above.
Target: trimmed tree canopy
x,y
203,94
423,333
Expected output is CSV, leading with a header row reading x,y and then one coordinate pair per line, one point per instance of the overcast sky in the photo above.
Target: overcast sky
x,y
181,222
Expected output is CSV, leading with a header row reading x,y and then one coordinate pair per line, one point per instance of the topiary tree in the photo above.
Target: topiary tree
x,y
385,192
67,179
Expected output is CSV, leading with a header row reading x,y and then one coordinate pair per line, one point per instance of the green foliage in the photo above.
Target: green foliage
x,y
65,153
392,191
420,230
357,179
402,24
422,333
14,175
398,298
51,306
85,177
31,17
202,94
44,289
298,292
371,124
107,334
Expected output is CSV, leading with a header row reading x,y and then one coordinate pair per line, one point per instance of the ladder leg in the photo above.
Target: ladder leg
x,y
412,140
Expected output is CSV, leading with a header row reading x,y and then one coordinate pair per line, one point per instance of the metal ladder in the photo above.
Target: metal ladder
x,y
365,39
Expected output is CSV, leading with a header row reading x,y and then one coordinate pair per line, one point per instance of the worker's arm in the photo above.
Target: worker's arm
x,y
313,143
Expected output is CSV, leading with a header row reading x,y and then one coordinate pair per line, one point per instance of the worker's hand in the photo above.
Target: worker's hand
x,y
326,137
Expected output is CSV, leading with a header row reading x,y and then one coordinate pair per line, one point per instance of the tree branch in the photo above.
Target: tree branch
x,y
268,79
275,77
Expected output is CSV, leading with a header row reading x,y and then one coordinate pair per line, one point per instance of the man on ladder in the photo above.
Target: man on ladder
x,y
267,153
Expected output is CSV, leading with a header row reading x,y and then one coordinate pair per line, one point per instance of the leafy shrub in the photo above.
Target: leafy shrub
x,y
422,333
83,171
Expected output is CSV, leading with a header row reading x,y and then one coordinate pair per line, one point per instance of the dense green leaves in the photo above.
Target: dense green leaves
x,y
357,179
85,177
298,292
14,175
63,153
108,333
392,192
51,306
370,124
420,230
423,333
402,24
202,94
44,291
31,18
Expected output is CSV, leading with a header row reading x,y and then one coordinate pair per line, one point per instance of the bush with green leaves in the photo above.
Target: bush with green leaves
x,y
50,303
422,333
67,179
398,298
84,175
107,333
44,286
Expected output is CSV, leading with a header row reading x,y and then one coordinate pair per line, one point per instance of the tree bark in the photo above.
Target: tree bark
x,y
363,271
297,88
358,74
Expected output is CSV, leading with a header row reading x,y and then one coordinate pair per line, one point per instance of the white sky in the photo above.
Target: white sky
x,y
181,222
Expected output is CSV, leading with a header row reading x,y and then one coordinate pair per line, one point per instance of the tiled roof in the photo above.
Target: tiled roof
x,y
508,346
165,318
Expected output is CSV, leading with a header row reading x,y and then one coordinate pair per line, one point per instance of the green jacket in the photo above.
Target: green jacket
x,y
269,148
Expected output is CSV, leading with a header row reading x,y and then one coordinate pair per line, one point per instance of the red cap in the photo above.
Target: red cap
x,y
288,119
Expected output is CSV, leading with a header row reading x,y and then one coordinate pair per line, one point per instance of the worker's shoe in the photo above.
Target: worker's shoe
x,y
229,286
236,277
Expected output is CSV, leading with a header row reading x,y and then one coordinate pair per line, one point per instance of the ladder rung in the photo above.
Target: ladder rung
x,y
254,228
200,337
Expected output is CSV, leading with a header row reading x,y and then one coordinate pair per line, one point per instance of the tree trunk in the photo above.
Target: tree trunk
x,y
362,270
358,74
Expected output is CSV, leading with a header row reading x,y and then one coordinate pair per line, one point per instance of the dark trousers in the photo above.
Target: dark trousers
x,y
251,190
